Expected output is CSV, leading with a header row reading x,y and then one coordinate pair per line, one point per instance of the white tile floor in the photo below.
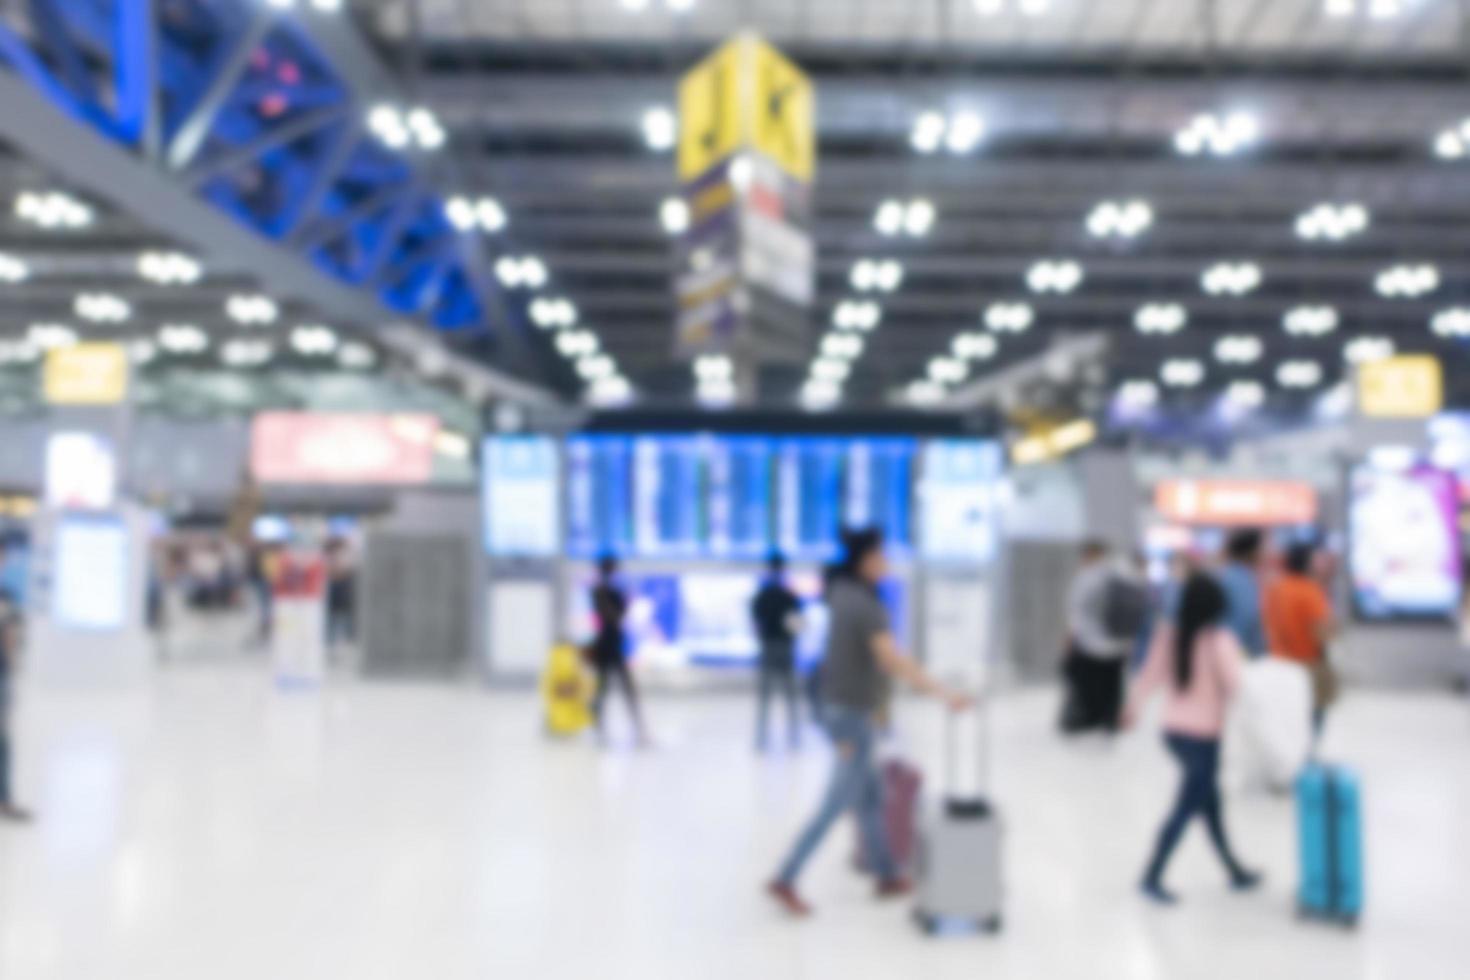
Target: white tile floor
x,y
211,828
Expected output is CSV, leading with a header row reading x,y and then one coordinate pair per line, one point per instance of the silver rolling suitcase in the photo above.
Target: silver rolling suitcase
x,y
959,869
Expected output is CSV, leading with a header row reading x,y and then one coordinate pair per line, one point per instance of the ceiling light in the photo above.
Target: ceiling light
x,y
13,269
818,394
842,346
610,391
577,343
660,128
356,356
948,370
714,367
1161,318
924,394
1245,395
1364,350
1407,281
673,214
834,371
1299,374
182,338
1120,219
864,315
975,346
1231,278
1454,322
486,214
252,310
169,268
1372,9
102,308
142,352
1239,349
1452,144
1310,321
525,271
53,210
596,368
314,340
1054,276
50,336
1219,136
959,133
400,130
244,352
1182,373
1025,8
1009,317
18,351
553,313
1138,394
874,275
1332,222
913,218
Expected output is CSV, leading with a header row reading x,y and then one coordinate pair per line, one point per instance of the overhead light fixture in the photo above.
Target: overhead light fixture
x,y
714,367
1161,318
314,340
1122,220
521,272
1182,373
831,370
876,275
53,210
50,336
817,394
1454,322
842,346
577,343
1310,321
1380,10
1220,136
673,214
1239,349
1231,278
1365,350
660,128
948,370
169,268
243,352
1245,395
1025,8
18,350
400,129
553,313
1137,394
141,351
597,367
864,315
1333,222
924,394
182,338
1453,143
1407,281
1299,374
914,218
672,6
1010,317
959,133
484,214
252,309
1059,276
12,269
102,308
610,391
975,346
356,356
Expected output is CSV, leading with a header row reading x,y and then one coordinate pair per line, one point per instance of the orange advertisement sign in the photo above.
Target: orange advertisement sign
x,y
1237,503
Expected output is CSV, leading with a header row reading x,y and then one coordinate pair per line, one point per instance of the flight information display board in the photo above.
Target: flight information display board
x,y
694,496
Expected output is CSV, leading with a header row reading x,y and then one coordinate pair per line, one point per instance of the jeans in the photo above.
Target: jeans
x,y
777,672
1199,795
1095,693
855,785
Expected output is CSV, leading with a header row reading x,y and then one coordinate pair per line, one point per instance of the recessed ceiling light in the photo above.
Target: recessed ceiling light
x,y
252,309
1010,317
1245,395
975,346
169,268
553,313
914,218
1220,136
1060,276
13,269
660,128
673,214
400,129
1120,219
517,272
314,340
1161,318
1239,349
102,308
864,315
53,210
51,336
924,394
1310,321
1231,278
876,275
1182,373
1407,281
1364,350
948,370
182,338
1454,322
1333,222
1137,394
1299,374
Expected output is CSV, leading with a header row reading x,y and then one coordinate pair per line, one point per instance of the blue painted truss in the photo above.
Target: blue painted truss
x,y
248,113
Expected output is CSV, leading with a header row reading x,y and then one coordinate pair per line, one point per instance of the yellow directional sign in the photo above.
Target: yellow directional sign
x,y
747,95
86,374
1407,387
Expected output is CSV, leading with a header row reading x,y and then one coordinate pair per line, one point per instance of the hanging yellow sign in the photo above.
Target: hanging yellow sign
x,y
86,374
1406,387
747,95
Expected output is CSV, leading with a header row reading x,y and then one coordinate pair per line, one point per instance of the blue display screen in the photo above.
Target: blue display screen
x,y
683,496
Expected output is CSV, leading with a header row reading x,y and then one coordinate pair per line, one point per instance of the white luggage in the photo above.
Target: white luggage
x,y
1270,735
959,867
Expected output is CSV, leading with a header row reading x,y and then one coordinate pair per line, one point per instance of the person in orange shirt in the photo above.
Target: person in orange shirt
x,y
1300,622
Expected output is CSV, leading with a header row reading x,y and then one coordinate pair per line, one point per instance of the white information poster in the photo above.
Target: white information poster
x,y
960,501
91,586
521,497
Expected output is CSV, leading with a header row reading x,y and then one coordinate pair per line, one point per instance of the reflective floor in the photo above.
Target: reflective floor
x,y
212,828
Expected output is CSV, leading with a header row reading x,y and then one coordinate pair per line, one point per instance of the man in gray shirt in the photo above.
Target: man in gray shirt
x,y
863,658
1096,658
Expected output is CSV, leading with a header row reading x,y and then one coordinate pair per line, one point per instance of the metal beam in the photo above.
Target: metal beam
x,y
283,135
185,146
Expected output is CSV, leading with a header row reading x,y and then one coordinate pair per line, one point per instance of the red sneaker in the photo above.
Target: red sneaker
x,y
787,898
895,888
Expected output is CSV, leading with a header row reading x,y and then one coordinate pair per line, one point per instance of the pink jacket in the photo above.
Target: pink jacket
x,y
1198,712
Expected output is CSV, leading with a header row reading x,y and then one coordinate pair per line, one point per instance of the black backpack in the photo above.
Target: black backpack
x,y
1125,608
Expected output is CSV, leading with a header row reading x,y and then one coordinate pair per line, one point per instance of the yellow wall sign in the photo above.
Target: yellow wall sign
x,y
87,374
747,95
1408,387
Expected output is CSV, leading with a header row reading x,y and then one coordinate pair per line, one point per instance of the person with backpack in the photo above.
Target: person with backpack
x,y
1200,659
1107,609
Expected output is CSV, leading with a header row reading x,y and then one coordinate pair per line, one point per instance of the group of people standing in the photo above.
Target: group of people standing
x,y
1203,628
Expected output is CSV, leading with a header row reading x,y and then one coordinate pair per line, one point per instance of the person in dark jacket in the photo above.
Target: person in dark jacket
x,y
609,649
776,611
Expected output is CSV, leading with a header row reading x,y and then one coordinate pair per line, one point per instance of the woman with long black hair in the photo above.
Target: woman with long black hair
x,y
1201,661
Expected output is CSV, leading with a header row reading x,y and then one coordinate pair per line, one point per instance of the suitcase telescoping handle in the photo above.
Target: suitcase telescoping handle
x,y
952,724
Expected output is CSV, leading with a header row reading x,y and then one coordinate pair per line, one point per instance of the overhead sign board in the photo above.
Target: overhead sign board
x,y
747,95
86,374
303,448
1237,503
1405,387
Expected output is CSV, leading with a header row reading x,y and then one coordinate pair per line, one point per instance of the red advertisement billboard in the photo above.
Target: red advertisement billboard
x,y
342,448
